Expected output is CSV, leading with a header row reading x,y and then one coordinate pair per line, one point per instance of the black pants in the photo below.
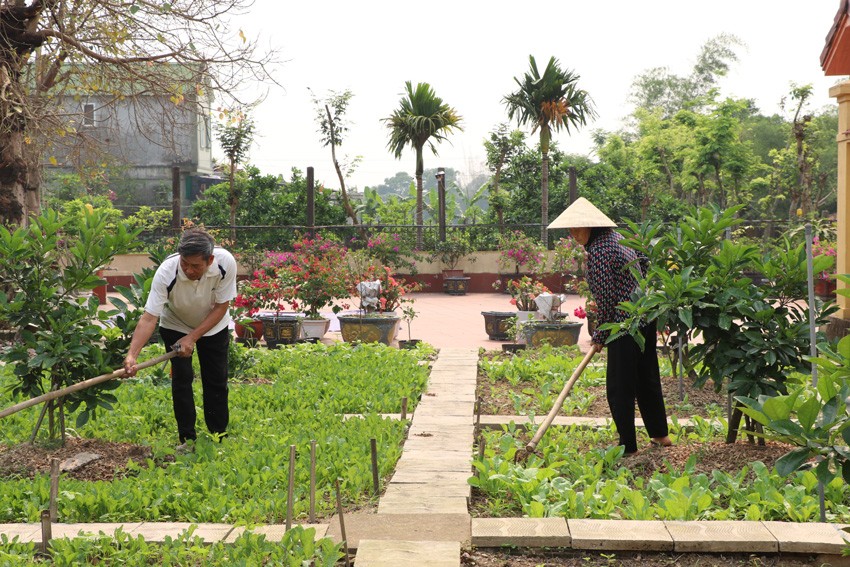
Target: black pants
x,y
634,375
212,356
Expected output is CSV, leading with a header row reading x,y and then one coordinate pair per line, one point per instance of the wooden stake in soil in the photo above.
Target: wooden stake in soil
x,y
54,488
477,414
342,525
404,408
375,480
312,514
482,444
46,531
291,491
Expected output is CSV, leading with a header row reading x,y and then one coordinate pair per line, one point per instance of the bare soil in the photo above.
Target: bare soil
x,y
26,461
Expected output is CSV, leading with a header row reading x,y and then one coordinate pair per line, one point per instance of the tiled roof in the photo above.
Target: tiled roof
x,y
835,58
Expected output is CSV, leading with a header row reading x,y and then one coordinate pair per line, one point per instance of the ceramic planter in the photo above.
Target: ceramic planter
x,y
280,329
555,333
496,324
314,328
369,327
455,285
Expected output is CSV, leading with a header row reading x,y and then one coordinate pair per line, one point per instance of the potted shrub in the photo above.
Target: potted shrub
x,y
449,252
380,295
555,329
273,289
519,254
316,282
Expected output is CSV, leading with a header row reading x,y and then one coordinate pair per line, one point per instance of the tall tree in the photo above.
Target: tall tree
x,y
659,88
235,136
330,115
178,51
501,149
421,118
548,102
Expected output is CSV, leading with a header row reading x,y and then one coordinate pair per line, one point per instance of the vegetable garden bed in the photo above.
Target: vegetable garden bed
x,y
279,398
579,472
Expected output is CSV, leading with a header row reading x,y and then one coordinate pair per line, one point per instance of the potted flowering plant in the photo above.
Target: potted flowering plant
x,y
380,295
520,252
245,305
273,288
523,291
316,280
825,282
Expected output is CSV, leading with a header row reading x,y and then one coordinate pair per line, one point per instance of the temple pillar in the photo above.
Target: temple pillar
x,y
841,319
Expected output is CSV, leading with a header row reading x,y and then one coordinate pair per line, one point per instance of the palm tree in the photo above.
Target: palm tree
x,y
548,101
422,117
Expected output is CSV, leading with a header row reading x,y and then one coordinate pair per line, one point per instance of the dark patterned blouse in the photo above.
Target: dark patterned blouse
x,y
609,278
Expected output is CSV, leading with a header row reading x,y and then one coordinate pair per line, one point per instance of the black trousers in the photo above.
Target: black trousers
x,y
634,375
212,357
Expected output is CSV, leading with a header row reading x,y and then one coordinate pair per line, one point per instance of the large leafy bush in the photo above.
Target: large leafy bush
x,y
741,309
48,273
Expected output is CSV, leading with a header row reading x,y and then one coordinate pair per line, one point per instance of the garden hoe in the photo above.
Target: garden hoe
x,y
52,395
523,454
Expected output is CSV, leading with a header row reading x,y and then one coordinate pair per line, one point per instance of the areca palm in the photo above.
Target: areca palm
x,y
548,102
421,118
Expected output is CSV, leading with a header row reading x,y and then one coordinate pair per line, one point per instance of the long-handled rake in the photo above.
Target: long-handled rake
x,y
52,395
523,454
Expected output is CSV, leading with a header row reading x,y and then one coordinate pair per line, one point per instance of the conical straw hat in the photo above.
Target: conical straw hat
x,y
582,213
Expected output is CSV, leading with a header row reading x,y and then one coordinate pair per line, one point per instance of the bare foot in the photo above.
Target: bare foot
x,y
662,441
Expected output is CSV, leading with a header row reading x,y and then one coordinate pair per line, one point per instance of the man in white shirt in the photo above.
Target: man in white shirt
x,y
190,296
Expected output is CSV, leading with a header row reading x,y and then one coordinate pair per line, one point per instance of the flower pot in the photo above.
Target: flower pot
x,y
825,289
408,344
369,327
314,328
249,334
455,285
513,347
496,324
280,329
452,274
523,317
555,333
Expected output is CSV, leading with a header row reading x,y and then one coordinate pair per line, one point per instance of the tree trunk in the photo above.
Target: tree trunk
x,y
346,204
734,424
19,174
420,167
544,198
233,201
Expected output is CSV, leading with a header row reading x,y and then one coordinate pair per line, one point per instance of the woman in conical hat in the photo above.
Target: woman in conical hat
x,y
632,374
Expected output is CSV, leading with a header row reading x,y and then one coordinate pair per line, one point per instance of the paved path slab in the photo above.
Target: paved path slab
x,y
26,533
157,532
620,535
429,477
378,553
436,465
815,537
520,532
412,502
274,532
404,527
428,490
724,536
58,530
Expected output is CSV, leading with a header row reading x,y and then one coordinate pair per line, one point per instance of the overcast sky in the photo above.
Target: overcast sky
x,y
469,51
